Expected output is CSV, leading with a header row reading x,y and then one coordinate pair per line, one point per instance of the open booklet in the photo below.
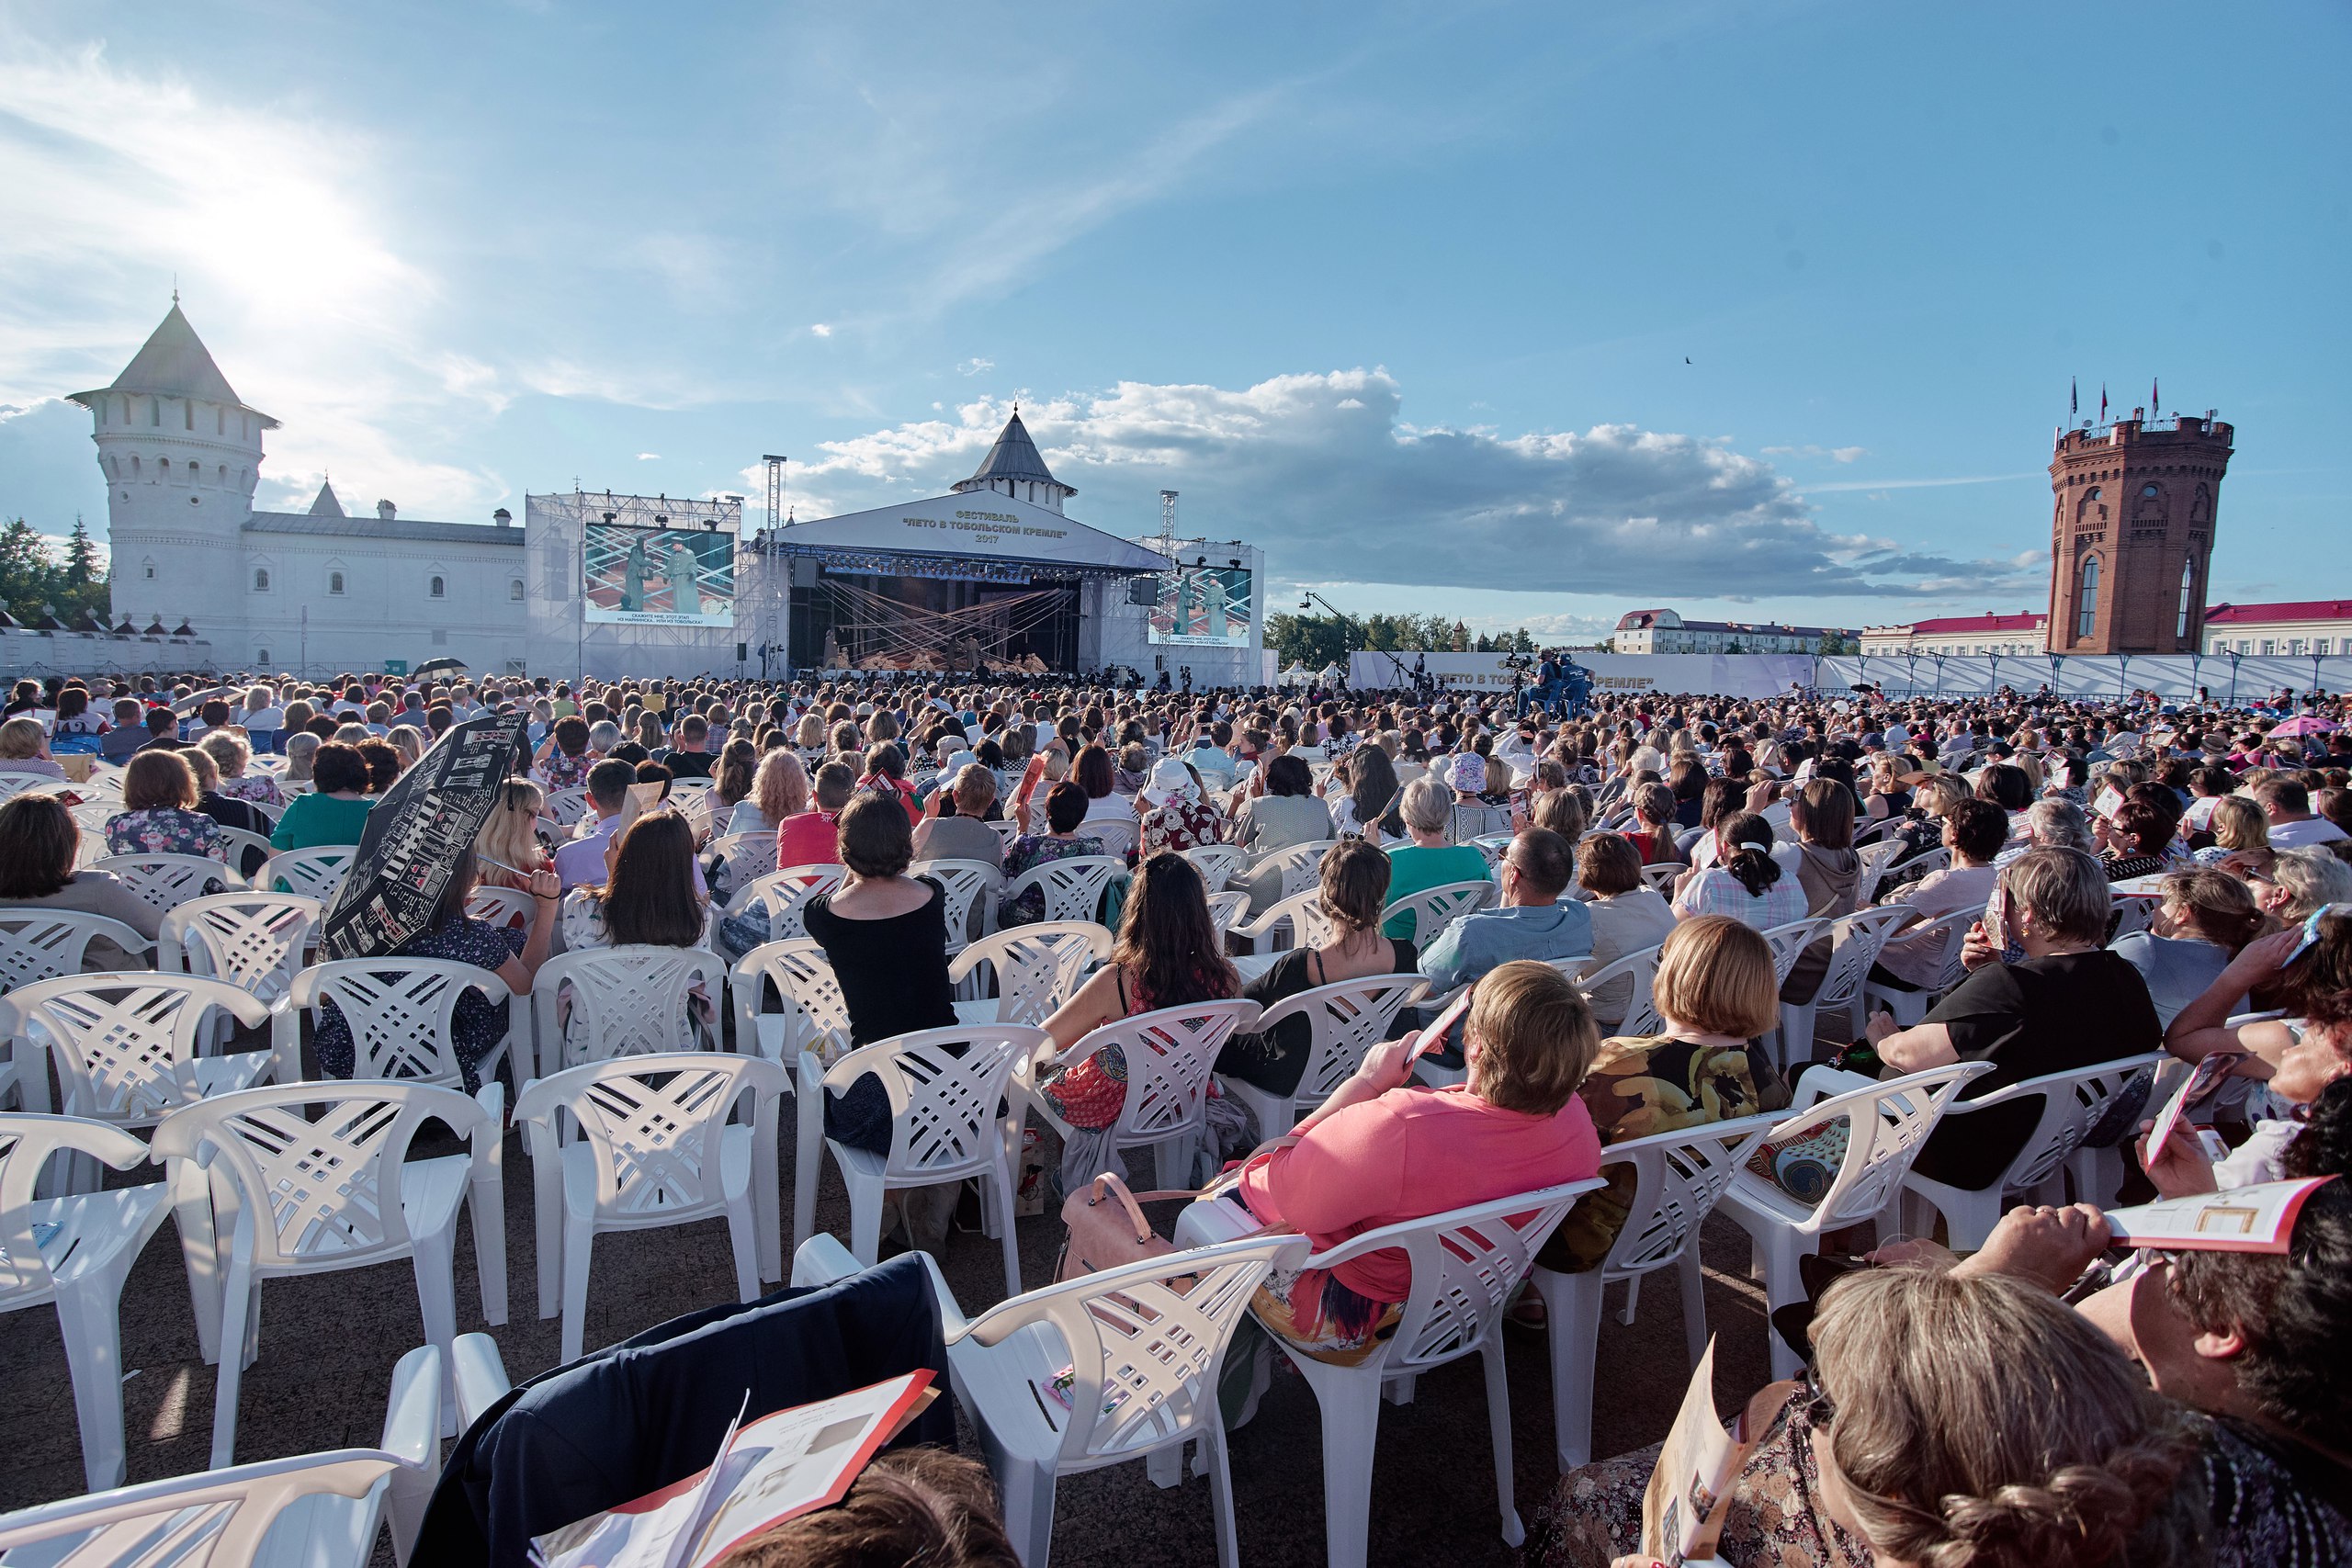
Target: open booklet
x,y
2260,1218
1689,1491
777,1468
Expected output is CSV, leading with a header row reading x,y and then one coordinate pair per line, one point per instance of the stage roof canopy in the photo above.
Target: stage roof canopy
x,y
981,525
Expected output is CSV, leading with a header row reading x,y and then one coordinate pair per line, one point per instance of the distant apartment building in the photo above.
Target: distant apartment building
x,y
1665,631
2303,627
1961,636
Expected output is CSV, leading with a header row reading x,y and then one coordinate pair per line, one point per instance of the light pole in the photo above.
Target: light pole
x,y
2234,657
1938,657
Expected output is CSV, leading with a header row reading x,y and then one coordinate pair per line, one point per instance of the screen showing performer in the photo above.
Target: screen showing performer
x,y
660,577
1202,607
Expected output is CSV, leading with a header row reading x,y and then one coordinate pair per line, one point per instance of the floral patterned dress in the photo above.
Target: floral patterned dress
x,y
477,1025
1186,821
259,789
166,830
567,773
1029,851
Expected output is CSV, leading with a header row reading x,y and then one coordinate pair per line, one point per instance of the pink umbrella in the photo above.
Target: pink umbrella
x,y
2306,724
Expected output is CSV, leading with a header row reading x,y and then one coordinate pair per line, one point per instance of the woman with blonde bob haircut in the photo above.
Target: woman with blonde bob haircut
x,y
1716,994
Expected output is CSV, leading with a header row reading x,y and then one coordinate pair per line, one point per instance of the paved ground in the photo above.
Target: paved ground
x,y
328,1345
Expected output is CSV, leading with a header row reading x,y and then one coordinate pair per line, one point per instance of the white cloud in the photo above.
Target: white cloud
x,y
648,457
820,328
1322,469
975,367
1837,454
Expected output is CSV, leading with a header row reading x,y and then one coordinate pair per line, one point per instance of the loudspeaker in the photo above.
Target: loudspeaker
x,y
1143,590
742,653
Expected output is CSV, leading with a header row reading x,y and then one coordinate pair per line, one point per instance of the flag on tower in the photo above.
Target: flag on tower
x,y
2102,402
2074,399
2153,403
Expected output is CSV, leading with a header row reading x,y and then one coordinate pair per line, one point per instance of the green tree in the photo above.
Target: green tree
x,y
35,571
1833,645
1312,641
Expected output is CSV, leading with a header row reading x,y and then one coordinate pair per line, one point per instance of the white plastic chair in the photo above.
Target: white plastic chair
x,y
1218,864
742,856
315,872
2072,1104
1855,942
1300,917
1118,835
1037,968
508,908
1226,909
1876,858
1434,908
1301,865
1662,876
48,944
1910,1007
317,1510
1466,1264
254,941
1143,1345
1073,886
1887,1122
125,1045
943,1125
1640,1017
290,1193
784,896
656,1147
1788,943
1494,846
166,882
969,885
1678,1177
244,846
630,1000
1347,1018
564,808
815,1016
76,1251
402,1013
1169,1054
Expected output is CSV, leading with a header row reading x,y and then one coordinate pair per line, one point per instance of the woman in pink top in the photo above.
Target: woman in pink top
x,y
809,838
1378,1152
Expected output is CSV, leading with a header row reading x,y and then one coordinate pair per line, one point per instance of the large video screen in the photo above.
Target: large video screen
x,y
1202,607
660,577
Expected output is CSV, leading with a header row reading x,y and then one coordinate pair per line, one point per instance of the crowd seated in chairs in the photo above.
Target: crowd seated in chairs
x,y
1000,919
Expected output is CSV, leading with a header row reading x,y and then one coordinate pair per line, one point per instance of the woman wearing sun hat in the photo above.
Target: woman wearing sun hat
x,y
1175,810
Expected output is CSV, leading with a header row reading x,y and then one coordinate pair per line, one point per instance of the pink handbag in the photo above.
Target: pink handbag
x,y
1106,1234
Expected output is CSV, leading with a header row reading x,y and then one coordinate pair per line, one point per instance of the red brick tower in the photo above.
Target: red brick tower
x,y
2133,533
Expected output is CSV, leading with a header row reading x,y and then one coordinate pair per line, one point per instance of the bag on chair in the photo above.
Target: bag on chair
x,y
1106,1229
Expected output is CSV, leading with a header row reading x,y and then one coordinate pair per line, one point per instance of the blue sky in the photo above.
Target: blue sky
x,y
1522,313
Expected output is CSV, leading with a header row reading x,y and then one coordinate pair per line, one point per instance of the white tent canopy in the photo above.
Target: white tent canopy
x,y
1297,675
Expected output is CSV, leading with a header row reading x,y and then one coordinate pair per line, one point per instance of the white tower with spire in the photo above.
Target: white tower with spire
x,y
1014,467
181,453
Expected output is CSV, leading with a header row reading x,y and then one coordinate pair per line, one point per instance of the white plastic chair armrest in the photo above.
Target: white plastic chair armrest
x,y
1821,1083
482,1375
822,1259
413,1421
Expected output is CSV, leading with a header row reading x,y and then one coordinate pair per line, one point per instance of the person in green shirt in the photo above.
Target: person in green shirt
x,y
335,811
1429,861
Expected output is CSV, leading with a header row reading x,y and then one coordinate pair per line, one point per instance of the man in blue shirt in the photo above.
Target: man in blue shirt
x,y
1529,923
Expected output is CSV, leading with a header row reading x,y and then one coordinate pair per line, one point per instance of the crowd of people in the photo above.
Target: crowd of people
x,y
1982,1411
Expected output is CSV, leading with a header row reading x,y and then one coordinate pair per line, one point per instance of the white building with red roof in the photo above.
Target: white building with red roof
x,y
1969,636
2296,626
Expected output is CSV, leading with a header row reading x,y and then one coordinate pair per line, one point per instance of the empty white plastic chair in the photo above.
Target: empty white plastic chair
x,y
1678,1177
656,1147
1856,940
264,1191
1218,864
318,1510
627,1000
1467,1263
1169,1054
1887,1123
1036,968
402,1013
1434,908
166,882
76,1251
970,886
1073,886
1910,1007
2072,1104
48,944
1142,1347
125,1045
254,940
784,895
315,872
1346,1019
944,1125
